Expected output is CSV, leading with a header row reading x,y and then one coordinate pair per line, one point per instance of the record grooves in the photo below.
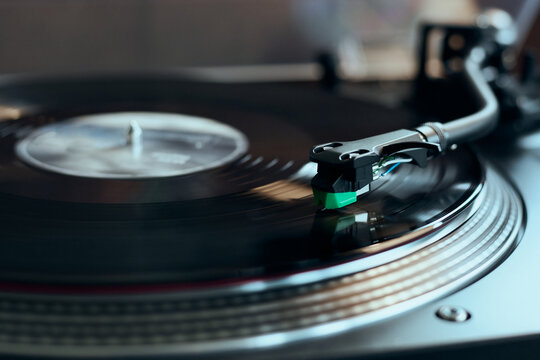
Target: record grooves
x,y
235,251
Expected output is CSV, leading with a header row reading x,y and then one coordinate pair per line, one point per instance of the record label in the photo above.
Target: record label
x,y
132,145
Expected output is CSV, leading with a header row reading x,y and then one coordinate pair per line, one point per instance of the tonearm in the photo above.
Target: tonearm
x,y
346,170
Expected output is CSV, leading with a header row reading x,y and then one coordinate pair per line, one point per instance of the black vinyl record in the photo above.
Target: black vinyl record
x,y
250,218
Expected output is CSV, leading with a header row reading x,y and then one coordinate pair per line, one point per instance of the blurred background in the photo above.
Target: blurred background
x,y
377,37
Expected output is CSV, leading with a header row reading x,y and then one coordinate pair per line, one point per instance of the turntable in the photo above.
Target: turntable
x,y
152,215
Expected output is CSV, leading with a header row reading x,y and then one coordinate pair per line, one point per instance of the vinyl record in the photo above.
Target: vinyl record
x,y
76,211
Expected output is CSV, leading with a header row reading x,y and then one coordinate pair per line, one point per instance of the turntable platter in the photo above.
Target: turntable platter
x,y
235,250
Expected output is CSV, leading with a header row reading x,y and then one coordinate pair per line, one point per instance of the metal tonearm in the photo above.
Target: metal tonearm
x,y
346,170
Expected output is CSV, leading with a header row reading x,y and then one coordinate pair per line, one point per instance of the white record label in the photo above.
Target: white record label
x,y
130,145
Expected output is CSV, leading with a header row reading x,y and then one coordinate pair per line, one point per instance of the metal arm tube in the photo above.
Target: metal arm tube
x,y
472,126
